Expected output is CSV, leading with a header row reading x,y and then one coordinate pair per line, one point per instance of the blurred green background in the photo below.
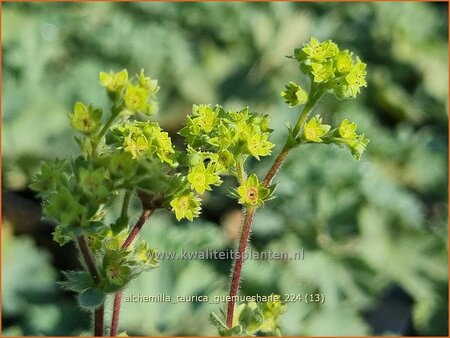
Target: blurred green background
x,y
374,232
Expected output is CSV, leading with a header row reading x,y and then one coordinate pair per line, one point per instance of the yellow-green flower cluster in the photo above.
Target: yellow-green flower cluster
x,y
137,94
221,132
348,137
338,71
114,82
330,70
216,141
143,140
205,169
315,131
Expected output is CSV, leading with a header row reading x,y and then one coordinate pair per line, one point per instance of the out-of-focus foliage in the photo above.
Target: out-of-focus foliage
x,y
373,232
30,297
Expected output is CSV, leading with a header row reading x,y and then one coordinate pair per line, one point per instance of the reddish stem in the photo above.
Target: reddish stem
x,y
92,267
138,226
245,236
275,166
234,288
249,214
89,259
118,296
99,315
116,313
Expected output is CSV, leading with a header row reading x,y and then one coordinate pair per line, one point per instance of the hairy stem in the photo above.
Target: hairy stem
x,y
116,313
92,267
89,259
236,276
137,227
99,315
146,213
297,131
275,166
315,94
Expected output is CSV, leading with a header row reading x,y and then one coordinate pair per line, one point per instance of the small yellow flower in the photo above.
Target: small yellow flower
x,y
114,82
136,145
320,51
259,145
186,206
85,119
136,98
347,130
252,192
357,78
323,72
315,130
343,62
201,178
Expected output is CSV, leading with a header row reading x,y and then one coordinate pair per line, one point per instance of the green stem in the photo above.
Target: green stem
x,y
240,171
114,113
126,203
315,94
107,125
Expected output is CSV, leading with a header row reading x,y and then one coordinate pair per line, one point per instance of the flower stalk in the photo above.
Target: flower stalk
x,y
276,165
344,81
92,267
146,213
236,276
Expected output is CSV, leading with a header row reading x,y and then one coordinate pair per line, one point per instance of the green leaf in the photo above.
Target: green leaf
x,y
218,323
120,224
91,298
77,281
